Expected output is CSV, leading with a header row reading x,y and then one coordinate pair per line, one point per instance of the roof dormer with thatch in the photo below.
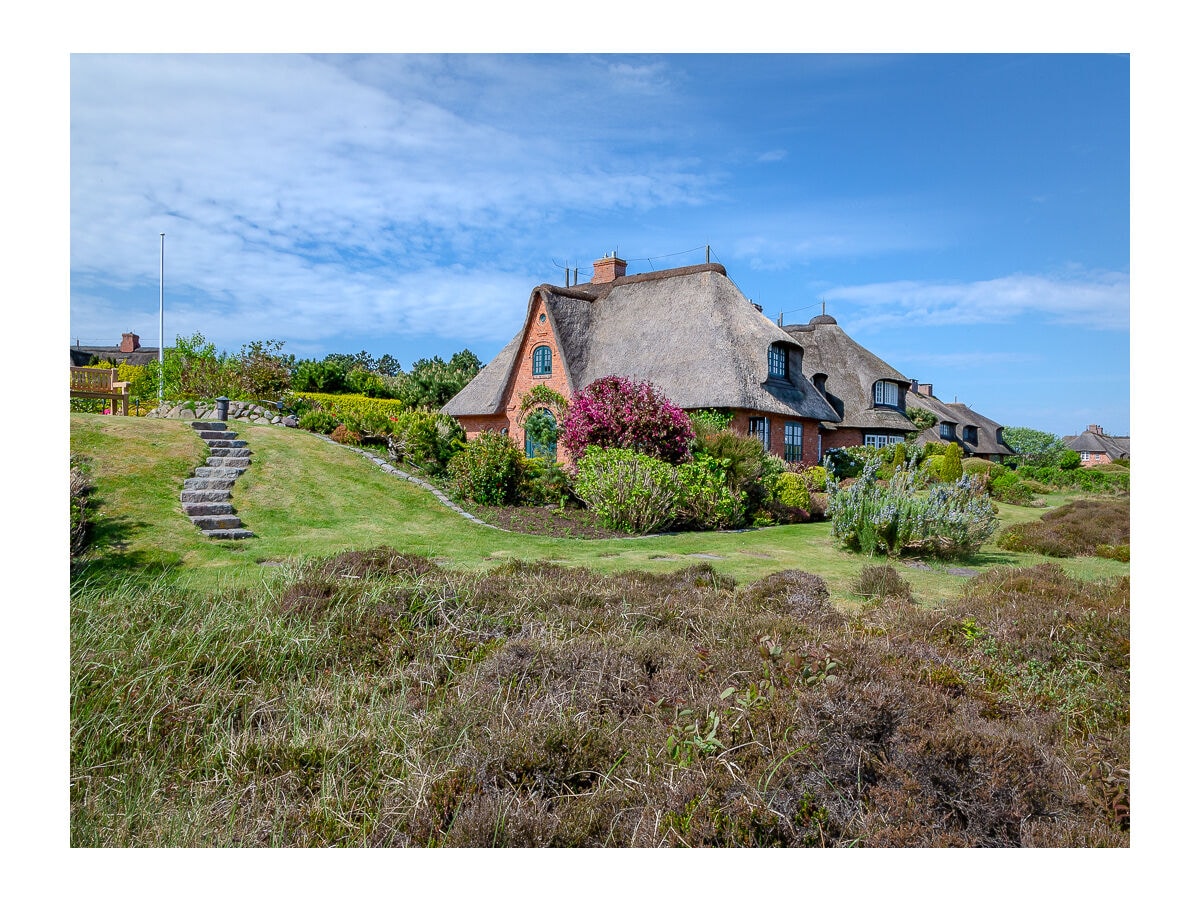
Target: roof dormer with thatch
x,y
689,331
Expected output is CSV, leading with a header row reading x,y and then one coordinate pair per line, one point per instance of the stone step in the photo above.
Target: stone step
x,y
230,462
216,523
202,496
229,451
211,484
201,425
214,443
217,433
228,534
218,472
208,509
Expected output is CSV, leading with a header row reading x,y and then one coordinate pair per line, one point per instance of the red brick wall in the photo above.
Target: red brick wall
x,y
810,454
843,437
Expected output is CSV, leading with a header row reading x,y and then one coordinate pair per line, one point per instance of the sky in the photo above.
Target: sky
x,y
964,216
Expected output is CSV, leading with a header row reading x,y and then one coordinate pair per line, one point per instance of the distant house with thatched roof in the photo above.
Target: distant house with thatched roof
x,y
129,351
1095,448
974,432
689,331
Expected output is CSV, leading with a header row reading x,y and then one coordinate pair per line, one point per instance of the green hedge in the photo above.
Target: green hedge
x,y
354,406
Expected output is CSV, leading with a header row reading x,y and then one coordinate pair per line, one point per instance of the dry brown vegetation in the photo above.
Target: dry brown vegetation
x,y
1081,528
377,699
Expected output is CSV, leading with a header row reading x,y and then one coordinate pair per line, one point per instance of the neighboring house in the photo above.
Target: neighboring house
x,y
1095,448
689,331
867,394
975,433
128,351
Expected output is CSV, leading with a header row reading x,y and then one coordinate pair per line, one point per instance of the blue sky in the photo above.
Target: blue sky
x,y
966,217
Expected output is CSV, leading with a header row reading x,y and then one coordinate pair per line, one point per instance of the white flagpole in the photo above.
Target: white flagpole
x,y
161,241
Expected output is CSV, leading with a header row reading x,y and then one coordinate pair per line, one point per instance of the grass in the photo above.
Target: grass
x,y
303,496
378,699
404,678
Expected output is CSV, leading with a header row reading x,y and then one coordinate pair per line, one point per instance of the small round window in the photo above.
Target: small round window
x,y
542,317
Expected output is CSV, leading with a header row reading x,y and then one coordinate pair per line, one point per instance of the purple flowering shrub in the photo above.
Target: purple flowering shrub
x,y
614,412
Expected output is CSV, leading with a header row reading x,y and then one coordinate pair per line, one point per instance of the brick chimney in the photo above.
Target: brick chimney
x,y
608,269
1095,429
129,342
914,387
925,389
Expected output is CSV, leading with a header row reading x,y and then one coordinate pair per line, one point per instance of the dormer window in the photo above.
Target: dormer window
x,y
970,434
887,393
946,432
818,381
541,361
777,361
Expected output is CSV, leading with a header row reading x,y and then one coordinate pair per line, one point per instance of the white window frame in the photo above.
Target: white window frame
x,y
760,427
882,440
884,390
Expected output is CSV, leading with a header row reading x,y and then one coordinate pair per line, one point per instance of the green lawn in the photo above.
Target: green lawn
x,y
304,497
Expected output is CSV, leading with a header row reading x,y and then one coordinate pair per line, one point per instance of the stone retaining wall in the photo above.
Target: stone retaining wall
x,y
238,409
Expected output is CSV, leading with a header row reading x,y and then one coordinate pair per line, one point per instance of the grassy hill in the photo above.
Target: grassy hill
x,y
304,497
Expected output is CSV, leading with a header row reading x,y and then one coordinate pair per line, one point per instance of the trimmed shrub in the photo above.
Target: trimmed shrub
x,y
488,470
949,469
614,412
629,491
792,490
346,407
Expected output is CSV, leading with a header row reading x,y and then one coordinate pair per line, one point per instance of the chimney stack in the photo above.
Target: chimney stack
x,y
608,269
925,389
129,342
1095,429
914,387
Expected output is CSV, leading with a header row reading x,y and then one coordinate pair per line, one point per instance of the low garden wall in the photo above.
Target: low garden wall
x,y
238,409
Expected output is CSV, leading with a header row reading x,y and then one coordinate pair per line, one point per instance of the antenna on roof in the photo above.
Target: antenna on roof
x,y
577,276
567,283
707,248
822,307
781,318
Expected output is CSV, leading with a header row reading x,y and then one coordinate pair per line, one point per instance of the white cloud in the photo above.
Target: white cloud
x,y
1098,300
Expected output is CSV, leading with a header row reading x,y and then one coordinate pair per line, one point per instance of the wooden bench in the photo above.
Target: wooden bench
x,y
100,384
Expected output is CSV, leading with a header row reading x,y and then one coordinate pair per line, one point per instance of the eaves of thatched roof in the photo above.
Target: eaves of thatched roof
x,y
689,331
851,371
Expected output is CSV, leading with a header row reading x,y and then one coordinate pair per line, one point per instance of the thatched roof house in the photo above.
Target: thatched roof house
x,y
1096,448
689,331
867,393
130,351
974,432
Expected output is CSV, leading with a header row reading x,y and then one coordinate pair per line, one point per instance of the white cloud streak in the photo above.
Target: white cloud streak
x,y
1097,300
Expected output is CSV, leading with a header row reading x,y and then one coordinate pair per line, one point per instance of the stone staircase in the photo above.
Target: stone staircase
x,y
205,496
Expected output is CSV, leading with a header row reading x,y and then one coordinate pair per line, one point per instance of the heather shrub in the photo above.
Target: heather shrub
x,y
1077,529
614,412
81,491
629,491
344,435
1118,552
488,470
949,520
882,583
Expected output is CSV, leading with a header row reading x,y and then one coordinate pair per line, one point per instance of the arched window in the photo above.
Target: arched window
x,y
777,361
541,435
887,393
541,361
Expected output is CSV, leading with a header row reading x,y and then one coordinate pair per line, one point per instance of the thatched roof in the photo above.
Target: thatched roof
x,y
1117,447
689,331
959,414
851,371
82,356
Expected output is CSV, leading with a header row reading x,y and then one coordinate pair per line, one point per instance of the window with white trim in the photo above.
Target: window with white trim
x,y
760,427
882,440
887,393
793,442
777,362
1085,455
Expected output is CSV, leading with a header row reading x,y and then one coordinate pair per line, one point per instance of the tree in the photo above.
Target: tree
x,y
264,374
1033,447
432,382
616,412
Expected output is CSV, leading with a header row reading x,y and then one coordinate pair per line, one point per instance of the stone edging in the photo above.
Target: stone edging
x,y
386,466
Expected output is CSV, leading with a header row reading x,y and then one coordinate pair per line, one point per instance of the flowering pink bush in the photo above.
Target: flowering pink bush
x,y
616,412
